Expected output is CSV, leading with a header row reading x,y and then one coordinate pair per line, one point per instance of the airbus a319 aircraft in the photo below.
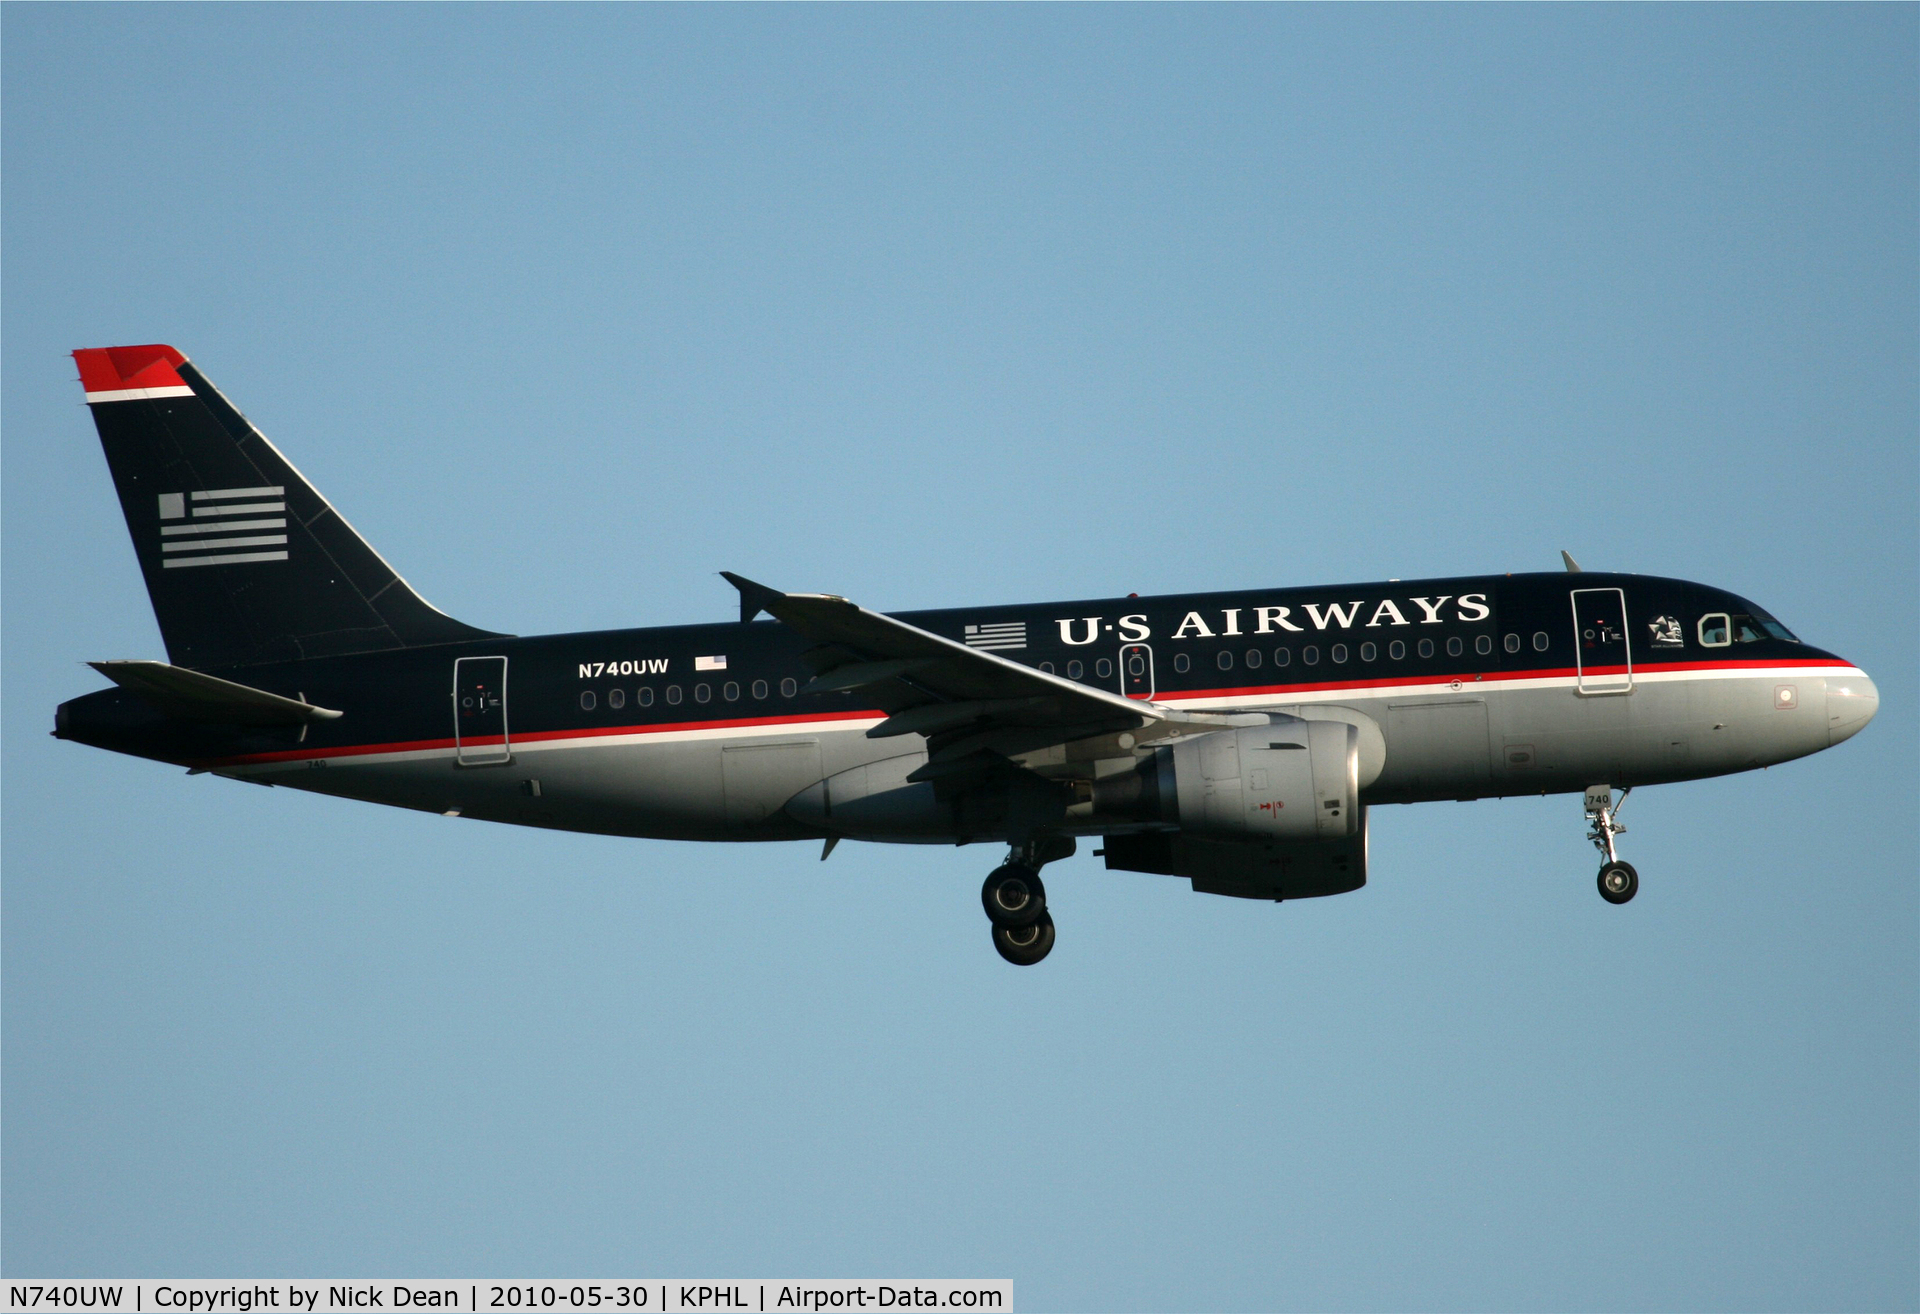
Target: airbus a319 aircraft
x,y
1233,739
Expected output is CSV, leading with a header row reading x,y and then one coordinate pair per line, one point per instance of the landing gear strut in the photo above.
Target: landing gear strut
x,y
1016,901
1618,882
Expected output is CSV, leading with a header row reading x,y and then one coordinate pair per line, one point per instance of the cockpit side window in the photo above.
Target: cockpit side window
x,y
1713,630
1757,623
1758,626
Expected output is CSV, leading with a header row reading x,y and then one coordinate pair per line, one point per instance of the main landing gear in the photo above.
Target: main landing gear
x,y
1016,901
1618,882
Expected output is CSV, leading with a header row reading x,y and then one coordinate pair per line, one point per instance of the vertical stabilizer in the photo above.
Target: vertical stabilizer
x,y
245,562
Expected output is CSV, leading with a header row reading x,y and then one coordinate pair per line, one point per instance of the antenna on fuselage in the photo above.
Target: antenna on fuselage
x,y
1573,567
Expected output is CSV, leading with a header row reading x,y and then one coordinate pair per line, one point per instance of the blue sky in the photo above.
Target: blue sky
x,y
568,308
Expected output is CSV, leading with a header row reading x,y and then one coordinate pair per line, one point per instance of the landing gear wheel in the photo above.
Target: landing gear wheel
x,y
1619,882
1014,897
1023,946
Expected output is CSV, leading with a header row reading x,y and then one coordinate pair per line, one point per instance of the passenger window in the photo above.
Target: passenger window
x,y
587,701
759,688
788,687
1281,656
730,691
1075,670
1426,647
1103,668
673,694
1181,663
1368,652
1455,647
1047,667
1483,645
645,697
1513,643
1713,630
616,698
1539,640
1225,660
701,693
1340,652
1397,650
1310,655
1253,658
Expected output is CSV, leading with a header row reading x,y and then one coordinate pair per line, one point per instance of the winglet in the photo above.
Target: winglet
x,y
754,598
1573,567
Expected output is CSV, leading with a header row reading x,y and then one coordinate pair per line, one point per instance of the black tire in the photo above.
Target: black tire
x,y
1023,946
1013,896
1619,882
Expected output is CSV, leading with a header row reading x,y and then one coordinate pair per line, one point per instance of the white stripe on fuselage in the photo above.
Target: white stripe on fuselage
x,y
789,729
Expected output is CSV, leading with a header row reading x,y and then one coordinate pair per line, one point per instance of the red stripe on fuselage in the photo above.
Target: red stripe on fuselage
x,y
1488,677
828,718
536,736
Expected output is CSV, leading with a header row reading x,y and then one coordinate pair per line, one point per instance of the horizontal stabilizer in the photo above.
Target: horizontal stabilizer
x,y
192,696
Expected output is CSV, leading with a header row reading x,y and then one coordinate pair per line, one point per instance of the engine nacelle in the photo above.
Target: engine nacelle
x,y
1291,780
1250,867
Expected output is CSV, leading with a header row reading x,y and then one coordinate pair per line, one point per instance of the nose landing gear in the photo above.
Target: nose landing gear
x,y
1618,881
1016,901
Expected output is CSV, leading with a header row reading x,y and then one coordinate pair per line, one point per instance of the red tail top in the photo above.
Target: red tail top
x,y
131,373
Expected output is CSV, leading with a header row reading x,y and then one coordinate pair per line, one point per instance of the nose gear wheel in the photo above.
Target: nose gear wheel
x,y
1618,881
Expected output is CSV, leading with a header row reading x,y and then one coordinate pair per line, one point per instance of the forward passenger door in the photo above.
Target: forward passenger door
x,y
1602,655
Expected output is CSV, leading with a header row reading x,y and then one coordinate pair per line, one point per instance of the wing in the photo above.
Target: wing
x,y
976,708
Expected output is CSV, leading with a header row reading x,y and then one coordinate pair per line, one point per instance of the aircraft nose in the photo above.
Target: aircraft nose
x,y
1851,703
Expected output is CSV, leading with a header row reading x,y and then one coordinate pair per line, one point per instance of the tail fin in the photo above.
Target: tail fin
x,y
244,561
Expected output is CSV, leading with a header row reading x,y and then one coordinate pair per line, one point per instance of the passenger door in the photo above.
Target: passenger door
x,y
480,712
1601,652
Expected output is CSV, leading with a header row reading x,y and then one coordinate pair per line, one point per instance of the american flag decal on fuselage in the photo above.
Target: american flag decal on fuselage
x,y
223,527
1007,634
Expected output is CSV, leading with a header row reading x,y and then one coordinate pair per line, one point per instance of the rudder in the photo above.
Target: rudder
x,y
244,561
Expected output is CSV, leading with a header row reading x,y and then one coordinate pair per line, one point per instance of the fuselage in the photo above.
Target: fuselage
x,y
1464,688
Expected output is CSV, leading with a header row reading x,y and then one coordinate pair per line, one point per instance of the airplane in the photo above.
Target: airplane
x,y
1235,739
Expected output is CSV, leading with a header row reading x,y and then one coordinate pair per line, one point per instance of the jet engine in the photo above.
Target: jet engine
x,y
1291,780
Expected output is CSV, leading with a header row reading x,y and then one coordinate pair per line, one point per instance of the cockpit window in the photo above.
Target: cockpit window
x,y
1752,629
1713,630
1762,624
